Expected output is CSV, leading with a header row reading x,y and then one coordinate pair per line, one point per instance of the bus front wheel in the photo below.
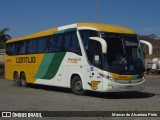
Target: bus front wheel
x,y
23,80
76,86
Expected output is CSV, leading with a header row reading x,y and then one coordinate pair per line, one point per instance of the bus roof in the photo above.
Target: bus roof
x,y
107,28
93,26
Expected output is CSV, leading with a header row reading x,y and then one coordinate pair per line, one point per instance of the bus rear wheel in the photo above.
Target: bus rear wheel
x,y
23,80
76,86
17,79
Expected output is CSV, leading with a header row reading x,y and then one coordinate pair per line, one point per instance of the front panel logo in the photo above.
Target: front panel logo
x,y
94,84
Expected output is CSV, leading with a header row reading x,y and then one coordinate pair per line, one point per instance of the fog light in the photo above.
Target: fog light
x,y
143,86
110,86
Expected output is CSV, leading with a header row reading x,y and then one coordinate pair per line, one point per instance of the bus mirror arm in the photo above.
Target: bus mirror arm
x,y
150,46
102,42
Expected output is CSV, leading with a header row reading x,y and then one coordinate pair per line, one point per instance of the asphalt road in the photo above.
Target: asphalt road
x,y
45,98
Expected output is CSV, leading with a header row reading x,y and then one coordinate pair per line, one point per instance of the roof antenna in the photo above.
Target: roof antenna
x,y
97,11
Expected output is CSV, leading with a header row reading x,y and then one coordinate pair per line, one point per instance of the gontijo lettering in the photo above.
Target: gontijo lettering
x,y
25,59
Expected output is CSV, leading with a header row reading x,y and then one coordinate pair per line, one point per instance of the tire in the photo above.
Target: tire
x,y
76,86
23,80
16,79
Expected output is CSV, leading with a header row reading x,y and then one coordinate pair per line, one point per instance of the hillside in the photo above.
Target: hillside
x,y
156,46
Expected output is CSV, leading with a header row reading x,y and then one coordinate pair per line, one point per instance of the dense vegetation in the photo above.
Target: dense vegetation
x,y
4,37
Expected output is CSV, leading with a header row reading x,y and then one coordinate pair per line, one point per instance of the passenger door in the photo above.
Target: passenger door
x,y
95,59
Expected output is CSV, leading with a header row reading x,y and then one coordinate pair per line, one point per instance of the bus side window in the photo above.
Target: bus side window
x,y
85,34
8,49
65,42
57,43
21,47
75,46
61,43
48,44
85,38
43,46
14,49
31,46
54,43
51,44
68,42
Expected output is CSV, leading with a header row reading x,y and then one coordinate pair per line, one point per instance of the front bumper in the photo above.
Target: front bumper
x,y
110,86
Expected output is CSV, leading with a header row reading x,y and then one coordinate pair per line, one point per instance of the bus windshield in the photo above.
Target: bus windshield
x,y
123,53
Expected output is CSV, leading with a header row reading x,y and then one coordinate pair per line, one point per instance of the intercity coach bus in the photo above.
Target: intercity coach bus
x,y
81,56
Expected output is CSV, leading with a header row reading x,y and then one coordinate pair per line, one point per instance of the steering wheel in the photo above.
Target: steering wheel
x,y
122,60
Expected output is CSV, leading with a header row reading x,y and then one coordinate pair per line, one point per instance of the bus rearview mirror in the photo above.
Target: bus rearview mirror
x,y
102,42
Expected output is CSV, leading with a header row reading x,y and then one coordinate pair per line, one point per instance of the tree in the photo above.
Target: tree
x,y
4,37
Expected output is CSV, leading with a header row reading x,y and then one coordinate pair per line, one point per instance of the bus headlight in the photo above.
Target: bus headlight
x,y
112,79
108,77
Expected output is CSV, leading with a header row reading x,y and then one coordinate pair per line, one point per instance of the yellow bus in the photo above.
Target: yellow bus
x,y
81,56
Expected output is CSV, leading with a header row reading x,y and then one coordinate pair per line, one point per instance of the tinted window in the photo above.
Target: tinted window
x,y
14,49
43,45
93,48
21,47
65,42
61,43
54,44
32,46
68,42
85,34
8,49
75,44
11,48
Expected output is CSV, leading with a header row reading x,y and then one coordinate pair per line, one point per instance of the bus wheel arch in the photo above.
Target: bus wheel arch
x,y
16,78
76,85
23,79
